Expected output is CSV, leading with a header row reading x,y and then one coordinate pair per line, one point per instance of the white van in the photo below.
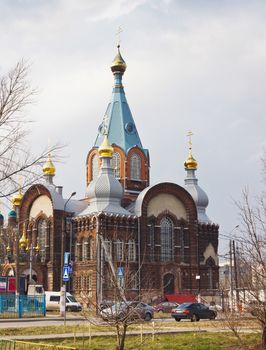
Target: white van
x,y
53,302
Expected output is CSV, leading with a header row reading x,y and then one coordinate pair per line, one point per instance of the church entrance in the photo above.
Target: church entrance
x,y
169,283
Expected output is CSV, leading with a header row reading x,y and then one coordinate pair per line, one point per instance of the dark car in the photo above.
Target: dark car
x,y
193,312
165,306
130,310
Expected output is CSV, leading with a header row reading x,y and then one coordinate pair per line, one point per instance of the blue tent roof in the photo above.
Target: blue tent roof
x,y
118,121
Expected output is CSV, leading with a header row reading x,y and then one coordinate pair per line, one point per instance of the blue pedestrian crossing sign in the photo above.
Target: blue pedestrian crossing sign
x,y
66,273
120,272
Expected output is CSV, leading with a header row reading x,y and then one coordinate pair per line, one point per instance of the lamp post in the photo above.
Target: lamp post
x,y
63,234
198,279
232,258
63,285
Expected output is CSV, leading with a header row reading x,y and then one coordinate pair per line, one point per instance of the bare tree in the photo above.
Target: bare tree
x,y
16,94
251,255
123,309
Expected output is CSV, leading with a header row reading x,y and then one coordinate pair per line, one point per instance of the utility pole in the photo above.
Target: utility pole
x,y
231,274
236,275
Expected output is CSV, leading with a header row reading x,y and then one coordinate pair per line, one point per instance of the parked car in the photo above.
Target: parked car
x,y
53,302
193,311
215,307
165,306
106,303
131,310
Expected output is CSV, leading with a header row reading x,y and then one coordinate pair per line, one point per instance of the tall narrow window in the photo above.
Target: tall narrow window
x,y
131,246
210,263
41,238
182,245
78,251
85,250
166,239
95,166
107,250
135,164
115,163
151,241
119,250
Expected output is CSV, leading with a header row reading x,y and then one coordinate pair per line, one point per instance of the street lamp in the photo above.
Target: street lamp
x,y
63,286
198,279
63,234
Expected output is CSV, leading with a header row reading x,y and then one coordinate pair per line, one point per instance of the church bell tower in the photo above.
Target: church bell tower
x,y
130,160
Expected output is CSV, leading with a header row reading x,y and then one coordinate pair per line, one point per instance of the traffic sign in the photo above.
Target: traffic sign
x,y
66,274
120,272
66,258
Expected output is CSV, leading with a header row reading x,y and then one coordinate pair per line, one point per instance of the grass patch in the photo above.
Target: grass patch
x,y
85,327
187,341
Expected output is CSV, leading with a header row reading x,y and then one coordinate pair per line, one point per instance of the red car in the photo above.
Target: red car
x,y
165,306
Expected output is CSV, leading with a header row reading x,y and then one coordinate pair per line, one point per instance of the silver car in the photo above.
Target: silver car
x,y
128,311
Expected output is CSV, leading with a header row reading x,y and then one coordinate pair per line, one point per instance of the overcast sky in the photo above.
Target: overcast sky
x,y
192,64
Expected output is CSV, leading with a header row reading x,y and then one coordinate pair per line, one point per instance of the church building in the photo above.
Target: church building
x,y
125,235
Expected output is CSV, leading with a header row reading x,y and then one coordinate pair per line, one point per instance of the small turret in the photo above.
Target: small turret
x,y
49,169
12,218
191,185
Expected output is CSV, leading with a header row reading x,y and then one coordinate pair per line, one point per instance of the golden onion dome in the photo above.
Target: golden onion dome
x,y
191,163
49,168
23,242
16,199
118,64
106,150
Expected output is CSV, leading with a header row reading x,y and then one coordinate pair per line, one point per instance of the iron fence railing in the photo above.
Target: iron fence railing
x,y
24,345
17,306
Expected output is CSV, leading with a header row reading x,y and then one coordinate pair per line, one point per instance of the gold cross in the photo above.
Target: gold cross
x,y
119,31
189,134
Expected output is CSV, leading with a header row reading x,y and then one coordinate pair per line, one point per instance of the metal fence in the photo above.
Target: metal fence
x,y
18,306
23,345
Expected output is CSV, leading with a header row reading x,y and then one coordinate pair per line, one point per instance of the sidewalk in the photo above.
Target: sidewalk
x,y
45,318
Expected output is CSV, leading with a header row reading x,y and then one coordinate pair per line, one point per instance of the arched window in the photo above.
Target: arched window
x,y
95,166
119,250
78,251
107,250
210,263
135,165
115,163
151,241
85,249
166,239
131,246
42,238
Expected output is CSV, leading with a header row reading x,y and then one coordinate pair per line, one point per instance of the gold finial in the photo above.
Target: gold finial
x,y
8,249
23,240
190,163
106,150
49,168
118,64
37,248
